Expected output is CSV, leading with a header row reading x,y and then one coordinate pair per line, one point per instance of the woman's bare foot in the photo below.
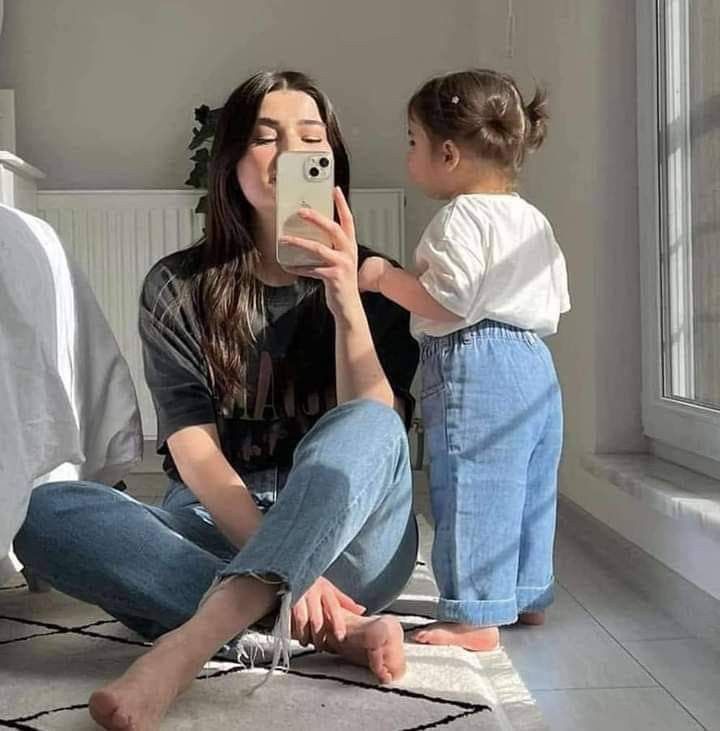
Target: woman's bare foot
x,y
140,698
375,643
468,636
535,619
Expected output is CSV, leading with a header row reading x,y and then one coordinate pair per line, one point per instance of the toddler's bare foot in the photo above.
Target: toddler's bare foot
x,y
140,698
534,619
375,643
468,636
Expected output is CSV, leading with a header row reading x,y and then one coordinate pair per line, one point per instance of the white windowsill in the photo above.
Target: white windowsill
x,y
673,491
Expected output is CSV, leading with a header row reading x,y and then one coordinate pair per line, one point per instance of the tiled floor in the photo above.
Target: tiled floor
x,y
609,657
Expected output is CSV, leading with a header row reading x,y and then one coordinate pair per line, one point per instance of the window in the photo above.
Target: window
x,y
679,174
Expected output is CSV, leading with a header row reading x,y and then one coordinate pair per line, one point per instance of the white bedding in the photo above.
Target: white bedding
x,y
68,408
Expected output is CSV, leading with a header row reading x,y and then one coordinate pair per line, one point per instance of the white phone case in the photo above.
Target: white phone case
x,y
302,180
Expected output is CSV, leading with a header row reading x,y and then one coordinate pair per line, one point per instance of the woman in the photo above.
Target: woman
x,y
245,362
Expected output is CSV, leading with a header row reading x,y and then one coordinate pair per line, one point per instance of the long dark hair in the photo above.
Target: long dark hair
x,y
484,110
226,292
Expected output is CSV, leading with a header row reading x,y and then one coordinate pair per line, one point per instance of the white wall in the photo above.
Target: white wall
x,y
585,178
105,93
105,90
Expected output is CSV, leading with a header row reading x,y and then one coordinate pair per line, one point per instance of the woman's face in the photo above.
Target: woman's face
x,y
287,120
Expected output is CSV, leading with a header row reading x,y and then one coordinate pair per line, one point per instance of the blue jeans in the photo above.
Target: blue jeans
x,y
492,414
344,512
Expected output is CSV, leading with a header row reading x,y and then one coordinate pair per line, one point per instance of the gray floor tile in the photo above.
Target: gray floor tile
x,y
571,651
608,593
622,709
689,670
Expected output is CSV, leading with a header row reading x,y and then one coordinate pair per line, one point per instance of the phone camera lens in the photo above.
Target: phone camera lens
x,y
324,162
314,172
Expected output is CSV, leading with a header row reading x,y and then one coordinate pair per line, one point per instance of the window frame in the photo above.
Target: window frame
x,y
684,426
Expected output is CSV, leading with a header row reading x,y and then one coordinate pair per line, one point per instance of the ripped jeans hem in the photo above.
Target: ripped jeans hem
x,y
281,631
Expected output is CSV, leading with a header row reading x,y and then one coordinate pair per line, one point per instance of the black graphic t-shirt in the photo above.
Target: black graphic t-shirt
x,y
290,374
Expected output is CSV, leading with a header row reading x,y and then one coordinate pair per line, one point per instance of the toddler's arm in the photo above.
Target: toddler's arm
x,y
379,275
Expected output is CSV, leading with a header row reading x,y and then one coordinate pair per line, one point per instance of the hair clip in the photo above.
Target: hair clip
x,y
455,100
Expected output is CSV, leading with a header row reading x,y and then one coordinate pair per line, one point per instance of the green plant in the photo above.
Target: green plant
x,y
202,144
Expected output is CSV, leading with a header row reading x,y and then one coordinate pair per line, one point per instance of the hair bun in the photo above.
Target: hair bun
x,y
537,116
496,107
484,110
496,119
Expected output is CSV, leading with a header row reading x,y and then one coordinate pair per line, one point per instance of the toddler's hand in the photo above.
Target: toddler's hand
x,y
371,272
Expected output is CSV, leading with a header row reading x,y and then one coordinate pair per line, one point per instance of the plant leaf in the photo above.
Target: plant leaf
x,y
201,155
201,114
201,206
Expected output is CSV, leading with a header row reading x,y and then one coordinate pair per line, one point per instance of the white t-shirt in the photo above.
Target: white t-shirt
x,y
488,256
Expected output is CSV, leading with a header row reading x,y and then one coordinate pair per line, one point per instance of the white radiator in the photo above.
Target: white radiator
x,y
117,235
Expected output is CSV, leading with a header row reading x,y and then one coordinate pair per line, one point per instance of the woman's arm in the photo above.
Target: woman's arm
x,y
204,469
357,367
358,370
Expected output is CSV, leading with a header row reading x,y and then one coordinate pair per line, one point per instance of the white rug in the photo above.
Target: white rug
x,y
54,651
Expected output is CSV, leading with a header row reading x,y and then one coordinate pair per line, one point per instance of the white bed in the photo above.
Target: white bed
x,y
68,407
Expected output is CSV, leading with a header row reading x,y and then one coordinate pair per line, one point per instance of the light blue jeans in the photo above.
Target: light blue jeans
x,y
344,512
492,414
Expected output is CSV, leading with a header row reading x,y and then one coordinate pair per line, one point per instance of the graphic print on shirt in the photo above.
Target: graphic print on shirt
x,y
290,384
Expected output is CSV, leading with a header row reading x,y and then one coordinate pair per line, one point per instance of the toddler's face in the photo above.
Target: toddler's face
x,y
424,168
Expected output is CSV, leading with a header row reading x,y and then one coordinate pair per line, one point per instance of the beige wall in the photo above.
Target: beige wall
x,y
585,179
105,90
105,93
705,151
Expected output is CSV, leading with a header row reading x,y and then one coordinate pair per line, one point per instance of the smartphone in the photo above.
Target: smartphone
x,y
302,180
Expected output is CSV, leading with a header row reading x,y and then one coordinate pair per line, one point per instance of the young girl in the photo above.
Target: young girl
x,y
492,283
